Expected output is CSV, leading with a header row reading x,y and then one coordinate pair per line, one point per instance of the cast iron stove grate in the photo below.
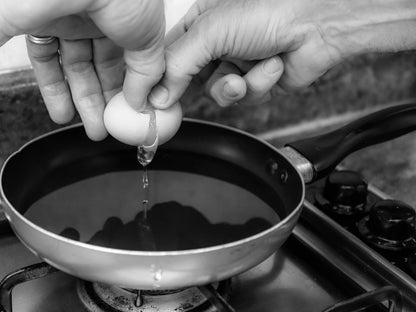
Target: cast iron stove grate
x,y
376,297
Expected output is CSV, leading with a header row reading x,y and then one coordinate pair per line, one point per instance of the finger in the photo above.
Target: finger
x,y
229,90
144,69
294,79
131,24
109,66
177,31
185,58
226,86
188,52
51,81
261,78
84,84
300,71
138,26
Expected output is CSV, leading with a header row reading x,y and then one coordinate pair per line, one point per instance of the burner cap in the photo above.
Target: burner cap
x,y
390,226
344,195
105,298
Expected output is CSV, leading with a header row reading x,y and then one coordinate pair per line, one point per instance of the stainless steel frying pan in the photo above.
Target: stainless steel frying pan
x,y
232,158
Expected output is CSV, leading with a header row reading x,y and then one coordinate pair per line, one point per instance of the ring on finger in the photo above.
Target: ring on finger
x,y
40,40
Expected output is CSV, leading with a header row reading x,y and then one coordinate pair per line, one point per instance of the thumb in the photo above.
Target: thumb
x,y
144,69
185,57
139,27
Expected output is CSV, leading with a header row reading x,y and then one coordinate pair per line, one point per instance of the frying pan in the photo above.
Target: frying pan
x,y
234,158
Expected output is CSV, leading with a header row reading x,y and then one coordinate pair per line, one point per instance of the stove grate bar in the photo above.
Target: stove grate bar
x,y
216,299
22,275
371,298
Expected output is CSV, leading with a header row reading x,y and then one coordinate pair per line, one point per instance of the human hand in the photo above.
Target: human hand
x,y
246,82
247,36
84,68
309,36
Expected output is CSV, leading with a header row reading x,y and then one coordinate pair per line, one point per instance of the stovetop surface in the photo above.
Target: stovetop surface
x,y
296,278
289,281
309,273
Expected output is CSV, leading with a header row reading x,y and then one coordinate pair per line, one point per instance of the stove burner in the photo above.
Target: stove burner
x,y
390,226
105,298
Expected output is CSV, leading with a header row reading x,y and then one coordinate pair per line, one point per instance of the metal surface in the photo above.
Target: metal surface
x,y
303,165
20,276
309,274
98,298
382,271
41,40
293,280
378,296
153,269
216,299
170,269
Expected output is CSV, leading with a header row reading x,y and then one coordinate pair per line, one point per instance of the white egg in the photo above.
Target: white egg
x,y
129,126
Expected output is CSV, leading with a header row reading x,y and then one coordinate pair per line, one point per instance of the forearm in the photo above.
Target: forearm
x,y
363,26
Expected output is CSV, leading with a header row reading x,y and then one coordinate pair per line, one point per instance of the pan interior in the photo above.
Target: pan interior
x,y
199,197
188,211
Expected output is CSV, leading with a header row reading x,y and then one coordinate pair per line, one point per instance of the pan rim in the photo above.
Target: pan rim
x,y
108,250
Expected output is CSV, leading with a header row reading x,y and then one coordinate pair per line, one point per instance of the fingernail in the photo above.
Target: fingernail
x,y
271,66
229,91
159,95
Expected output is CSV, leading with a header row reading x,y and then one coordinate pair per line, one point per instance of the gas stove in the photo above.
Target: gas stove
x,y
353,248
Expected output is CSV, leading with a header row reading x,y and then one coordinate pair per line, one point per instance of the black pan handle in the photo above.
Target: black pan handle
x,y
325,151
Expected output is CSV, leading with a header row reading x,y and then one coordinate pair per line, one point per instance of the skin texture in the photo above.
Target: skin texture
x,y
305,37
104,46
240,48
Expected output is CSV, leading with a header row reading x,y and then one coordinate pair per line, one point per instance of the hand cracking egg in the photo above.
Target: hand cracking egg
x,y
130,126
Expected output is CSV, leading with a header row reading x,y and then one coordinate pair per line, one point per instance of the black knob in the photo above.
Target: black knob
x,y
392,220
346,192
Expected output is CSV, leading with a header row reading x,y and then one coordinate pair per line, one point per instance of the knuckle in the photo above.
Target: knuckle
x,y
43,54
89,103
144,65
54,88
150,73
79,67
109,64
62,116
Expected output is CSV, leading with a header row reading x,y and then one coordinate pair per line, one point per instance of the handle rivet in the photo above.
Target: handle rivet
x,y
272,167
284,176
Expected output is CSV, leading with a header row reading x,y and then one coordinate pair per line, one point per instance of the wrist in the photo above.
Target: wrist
x,y
362,26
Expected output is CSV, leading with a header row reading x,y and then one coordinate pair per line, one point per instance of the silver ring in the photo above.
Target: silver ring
x,y
40,40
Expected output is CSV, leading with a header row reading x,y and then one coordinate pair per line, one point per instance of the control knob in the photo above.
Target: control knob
x,y
345,193
390,225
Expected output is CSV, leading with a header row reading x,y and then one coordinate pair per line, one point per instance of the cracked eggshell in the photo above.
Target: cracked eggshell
x,y
130,127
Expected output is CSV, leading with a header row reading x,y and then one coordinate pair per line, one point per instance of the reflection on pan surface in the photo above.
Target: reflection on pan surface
x,y
188,211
